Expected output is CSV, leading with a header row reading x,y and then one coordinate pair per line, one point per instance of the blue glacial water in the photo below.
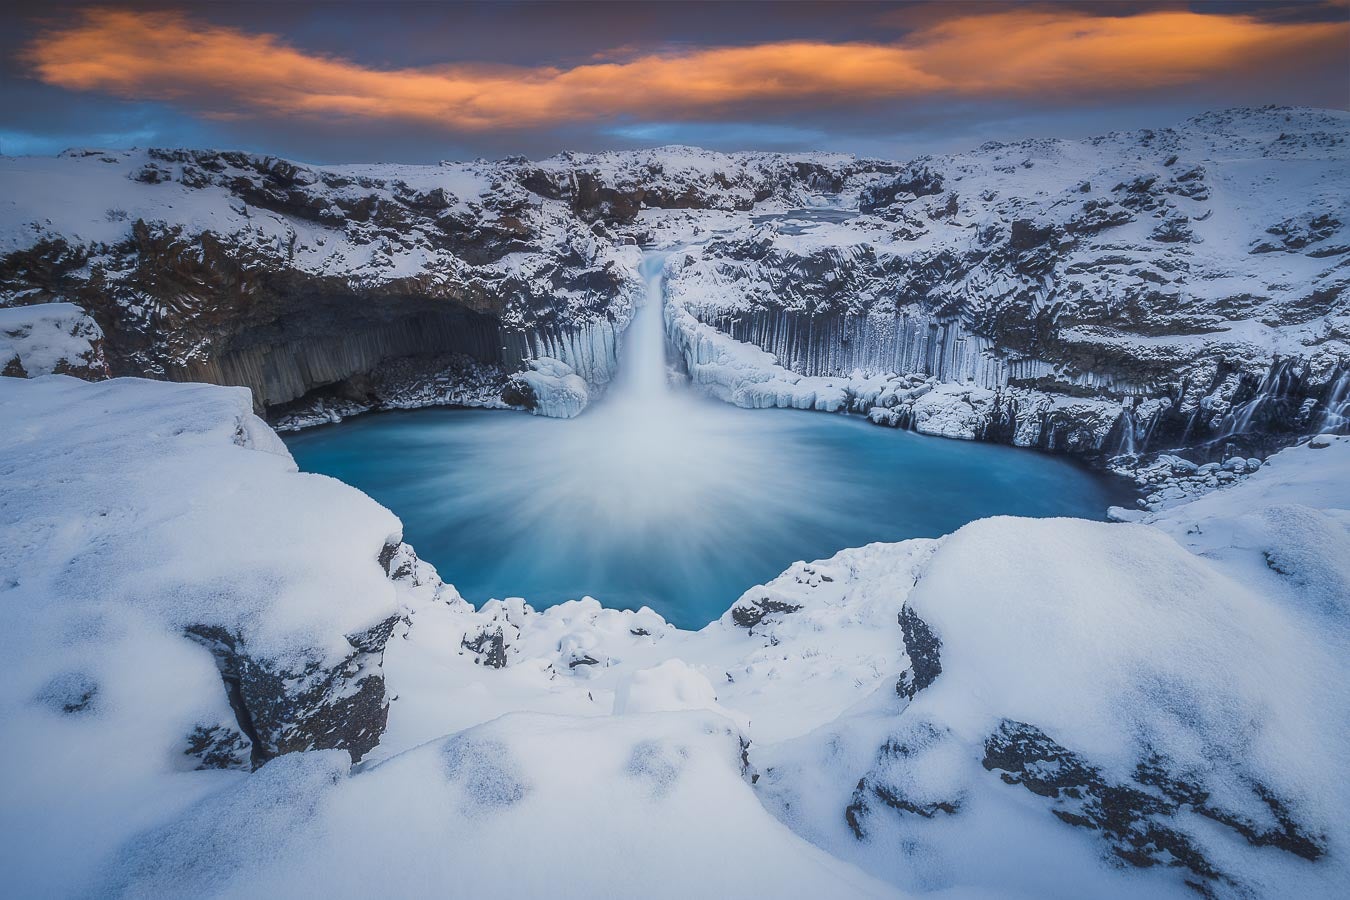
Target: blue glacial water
x,y
655,496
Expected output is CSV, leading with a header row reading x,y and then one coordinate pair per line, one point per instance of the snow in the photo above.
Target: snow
x,y
527,805
1214,635
605,752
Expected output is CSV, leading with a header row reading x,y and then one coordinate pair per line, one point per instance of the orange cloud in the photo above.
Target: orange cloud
x,y
228,72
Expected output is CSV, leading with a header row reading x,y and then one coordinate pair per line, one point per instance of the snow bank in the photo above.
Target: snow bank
x,y
527,805
155,542
1182,710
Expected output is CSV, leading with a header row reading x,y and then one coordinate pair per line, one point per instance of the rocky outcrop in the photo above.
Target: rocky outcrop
x,y
924,650
748,612
1135,818
51,339
613,188
285,710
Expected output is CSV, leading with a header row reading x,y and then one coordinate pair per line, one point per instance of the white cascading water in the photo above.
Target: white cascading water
x,y
658,458
1337,416
648,472
644,375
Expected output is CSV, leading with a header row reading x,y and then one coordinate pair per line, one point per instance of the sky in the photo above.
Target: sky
x,y
422,82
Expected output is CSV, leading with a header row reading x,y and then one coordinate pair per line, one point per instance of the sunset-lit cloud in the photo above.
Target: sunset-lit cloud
x,y
226,72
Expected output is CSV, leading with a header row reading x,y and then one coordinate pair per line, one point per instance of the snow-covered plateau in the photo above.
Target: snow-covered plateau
x,y
225,677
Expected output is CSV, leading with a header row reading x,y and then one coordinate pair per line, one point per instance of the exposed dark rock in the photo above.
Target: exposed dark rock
x,y
488,647
1298,233
924,650
1172,230
891,781
1138,821
748,614
917,180
282,708
1026,234
219,747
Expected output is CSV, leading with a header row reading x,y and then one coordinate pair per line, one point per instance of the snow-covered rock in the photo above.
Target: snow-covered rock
x,y
172,535
50,338
286,278
550,387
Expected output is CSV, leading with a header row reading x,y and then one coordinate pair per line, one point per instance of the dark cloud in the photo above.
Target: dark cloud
x,y
420,82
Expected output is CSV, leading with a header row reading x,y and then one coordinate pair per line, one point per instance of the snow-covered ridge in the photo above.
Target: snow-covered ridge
x,y
242,269
1025,707
1132,291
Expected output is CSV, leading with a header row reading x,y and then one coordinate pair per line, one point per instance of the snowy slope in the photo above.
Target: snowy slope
x,y
1024,708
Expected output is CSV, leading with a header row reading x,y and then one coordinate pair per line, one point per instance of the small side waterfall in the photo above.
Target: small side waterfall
x,y
1337,403
1274,387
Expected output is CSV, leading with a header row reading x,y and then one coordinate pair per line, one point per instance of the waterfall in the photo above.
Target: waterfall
x,y
643,373
1337,416
1274,386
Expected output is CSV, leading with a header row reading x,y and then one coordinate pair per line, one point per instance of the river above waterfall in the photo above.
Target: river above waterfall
x,y
657,496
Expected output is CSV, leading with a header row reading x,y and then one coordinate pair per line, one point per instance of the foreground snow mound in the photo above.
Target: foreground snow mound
x,y
1284,531
527,805
175,596
1102,675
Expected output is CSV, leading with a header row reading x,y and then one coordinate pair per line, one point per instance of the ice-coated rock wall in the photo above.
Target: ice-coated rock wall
x,y
591,349
837,345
